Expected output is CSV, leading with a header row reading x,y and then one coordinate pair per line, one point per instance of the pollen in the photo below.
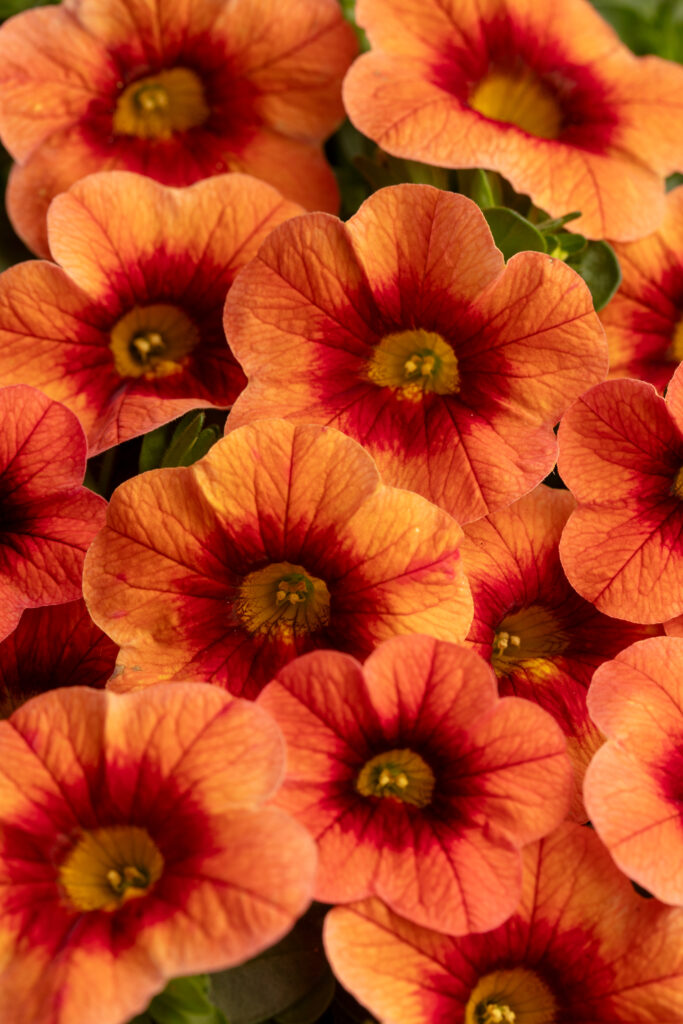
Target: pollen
x,y
283,600
413,363
109,866
675,351
160,105
399,775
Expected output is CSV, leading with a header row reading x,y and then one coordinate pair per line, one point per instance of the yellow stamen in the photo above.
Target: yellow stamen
x,y
413,363
677,485
525,635
108,866
675,351
157,106
511,996
398,774
519,98
283,600
152,341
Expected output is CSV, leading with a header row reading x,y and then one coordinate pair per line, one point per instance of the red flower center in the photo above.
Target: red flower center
x,y
398,774
109,866
157,106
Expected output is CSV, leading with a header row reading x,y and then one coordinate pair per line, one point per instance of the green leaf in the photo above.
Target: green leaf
x,y
180,451
183,1001
513,233
276,980
152,448
599,267
309,1009
10,7
426,174
349,11
479,189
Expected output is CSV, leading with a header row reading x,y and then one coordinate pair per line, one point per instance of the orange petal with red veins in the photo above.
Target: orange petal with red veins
x,y
441,844
343,312
232,879
49,518
621,449
633,786
279,498
581,947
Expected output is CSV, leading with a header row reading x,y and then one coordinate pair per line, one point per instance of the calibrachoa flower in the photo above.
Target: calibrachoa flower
x,y
644,320
544,93
134,846
621,454
405,329
58,645
129,333
175,92
582,948
634,785
282,539
418,783
48,517
543,640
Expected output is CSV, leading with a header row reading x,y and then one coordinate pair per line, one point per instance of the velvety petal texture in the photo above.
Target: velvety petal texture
x,y
634,785
134,846
644,320
178,92
543,640
621,455
419,785
282,539
48,517
58,645
543,93
405,329
582,948
127,330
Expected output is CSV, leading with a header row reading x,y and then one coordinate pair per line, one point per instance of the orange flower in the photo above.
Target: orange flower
x,y
582,948
410,774
177,92
129,333
543,93
58,645
48,517
134,846
282,539
543,640
634,785
644,320
405,329
621,454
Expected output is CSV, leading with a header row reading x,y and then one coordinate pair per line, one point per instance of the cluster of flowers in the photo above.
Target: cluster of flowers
x,y
358,652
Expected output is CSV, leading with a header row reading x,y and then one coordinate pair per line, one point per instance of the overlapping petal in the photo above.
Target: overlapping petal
x,y
131,853
582,948
621,455
405,329
49,518
418,784
633,786
138,261
282,539
543,640
58,645
237,86
547,96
